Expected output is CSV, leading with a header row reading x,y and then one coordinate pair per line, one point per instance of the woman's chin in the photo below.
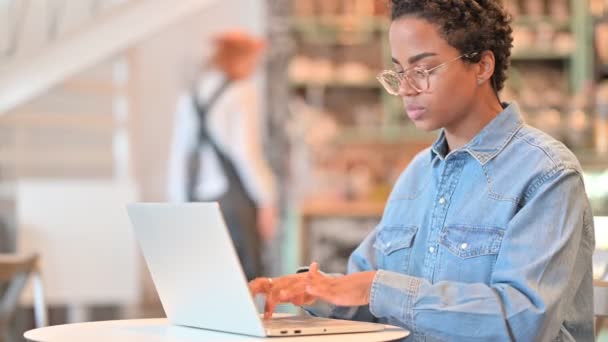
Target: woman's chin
x,y
425,125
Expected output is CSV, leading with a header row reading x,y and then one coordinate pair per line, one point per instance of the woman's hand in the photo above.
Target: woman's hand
x,y
305,288
349,290
286,289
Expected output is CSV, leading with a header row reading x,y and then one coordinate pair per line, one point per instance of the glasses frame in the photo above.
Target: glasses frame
x,y
403,75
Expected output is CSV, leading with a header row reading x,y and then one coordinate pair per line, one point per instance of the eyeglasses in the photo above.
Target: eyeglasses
x,y
417,77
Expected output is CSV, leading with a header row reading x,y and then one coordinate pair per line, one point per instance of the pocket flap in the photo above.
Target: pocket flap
x,y
471,241
393,238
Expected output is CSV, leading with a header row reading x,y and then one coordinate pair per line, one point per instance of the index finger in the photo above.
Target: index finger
x,y
269,306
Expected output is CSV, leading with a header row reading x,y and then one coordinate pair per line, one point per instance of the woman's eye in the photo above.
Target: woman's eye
x,y
431,69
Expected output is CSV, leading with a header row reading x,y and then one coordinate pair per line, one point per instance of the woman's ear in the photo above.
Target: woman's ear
x,y
485,68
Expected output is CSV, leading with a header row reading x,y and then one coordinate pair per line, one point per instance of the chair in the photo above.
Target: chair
x,y
14,272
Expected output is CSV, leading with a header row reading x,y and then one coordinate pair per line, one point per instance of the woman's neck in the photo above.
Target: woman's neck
x,y
478,116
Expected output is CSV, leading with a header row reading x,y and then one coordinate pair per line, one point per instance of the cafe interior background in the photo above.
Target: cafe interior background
x,y
87,97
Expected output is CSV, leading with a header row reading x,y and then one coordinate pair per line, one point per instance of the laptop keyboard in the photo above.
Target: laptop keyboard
x,y
300,321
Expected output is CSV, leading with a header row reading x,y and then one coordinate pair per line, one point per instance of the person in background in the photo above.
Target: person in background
x,y
488,234
217,153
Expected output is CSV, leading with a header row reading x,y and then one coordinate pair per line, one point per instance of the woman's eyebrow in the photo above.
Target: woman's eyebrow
x,y
415,58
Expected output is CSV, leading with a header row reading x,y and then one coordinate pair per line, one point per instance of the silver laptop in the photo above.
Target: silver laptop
x,y
199,279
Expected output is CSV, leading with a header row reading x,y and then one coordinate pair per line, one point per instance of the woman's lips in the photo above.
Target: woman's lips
x,y
415,112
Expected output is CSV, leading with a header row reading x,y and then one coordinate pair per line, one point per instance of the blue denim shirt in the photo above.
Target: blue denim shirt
x,y
490,242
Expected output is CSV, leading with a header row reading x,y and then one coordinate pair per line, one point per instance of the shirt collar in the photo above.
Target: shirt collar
x,y
490,141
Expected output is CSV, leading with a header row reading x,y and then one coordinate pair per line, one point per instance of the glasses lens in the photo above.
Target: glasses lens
x,y
391,82
418,79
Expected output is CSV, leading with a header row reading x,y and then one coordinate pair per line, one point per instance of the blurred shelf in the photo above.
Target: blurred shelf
x,y
541,55
339,23
404,134
347,30
370,84
535,21
590,160
356,23
332,208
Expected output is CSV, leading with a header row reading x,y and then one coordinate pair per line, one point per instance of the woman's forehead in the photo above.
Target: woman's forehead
x,y
411,36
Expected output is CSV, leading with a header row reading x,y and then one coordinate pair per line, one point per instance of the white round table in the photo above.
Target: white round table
x,y
159,329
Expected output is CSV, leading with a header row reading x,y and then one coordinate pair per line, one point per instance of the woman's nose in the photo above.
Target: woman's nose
x,y
406,89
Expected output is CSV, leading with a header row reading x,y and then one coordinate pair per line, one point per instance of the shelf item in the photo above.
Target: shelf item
x,y
543,42
321,72
343,30
320,207
540,55
532,21
601,43
387,135
558,10
598,8
333,8
339,23
369,84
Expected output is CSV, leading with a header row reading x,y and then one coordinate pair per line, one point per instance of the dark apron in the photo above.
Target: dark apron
x,y
238,209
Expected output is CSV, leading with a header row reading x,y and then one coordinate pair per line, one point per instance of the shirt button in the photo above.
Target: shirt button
x,y
432,249
442,200
464,245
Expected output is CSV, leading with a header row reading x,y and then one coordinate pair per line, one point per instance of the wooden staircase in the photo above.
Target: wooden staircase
x,y
45,42
64,83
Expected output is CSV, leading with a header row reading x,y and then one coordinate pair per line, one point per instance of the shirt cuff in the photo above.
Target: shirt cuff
x,y
393,295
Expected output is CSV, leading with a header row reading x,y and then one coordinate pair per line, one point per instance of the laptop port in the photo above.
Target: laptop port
x,y
283,331
297,331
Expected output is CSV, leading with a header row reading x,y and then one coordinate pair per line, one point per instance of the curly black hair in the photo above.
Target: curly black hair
x,y
469,26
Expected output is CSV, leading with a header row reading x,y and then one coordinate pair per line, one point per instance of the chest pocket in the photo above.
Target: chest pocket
x,y
470,242
469,253
393,247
